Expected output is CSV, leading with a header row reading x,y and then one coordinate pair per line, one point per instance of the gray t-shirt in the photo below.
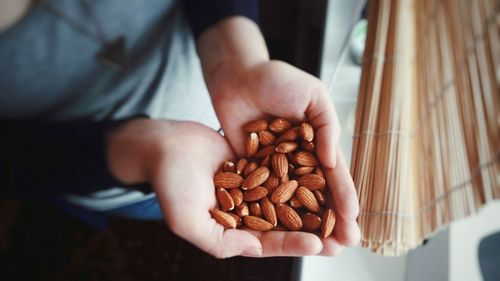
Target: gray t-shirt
x,y
48,70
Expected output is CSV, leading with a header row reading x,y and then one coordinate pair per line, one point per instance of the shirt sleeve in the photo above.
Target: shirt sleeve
x,y
39,159
204,13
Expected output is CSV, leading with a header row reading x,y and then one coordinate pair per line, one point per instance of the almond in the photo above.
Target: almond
x,y
225,200
289,135
295,203
268,211
240,165
237,196
227,180
286,147
255,126
255,209
268,150
229,167
271,183
257,223
306,131
237,219
312,181
288,217
266,161
266,138
284,179
279,125
223,218
280,227
279,164
320,197
307,145
255,178
328,223
252,144
305,158
306,197
284,192
319,172
249,168
310,222
242,209
300,171
256,194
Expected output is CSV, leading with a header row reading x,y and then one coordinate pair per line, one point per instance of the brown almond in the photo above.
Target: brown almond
x,y
289,135
223,218
240,165
306,197
227,180
252,144
255,126
237,196
328,223
307,145
295,203
306,131
271,183
242,209
266,161
288,217
310,222
225,200
284,192
267,138
268,211
255,209
284,179
255,178
263,152
300,171
257,223
320,197
286,147
255,194
305,158
312,181
229,167
237,219
279,125
318,171
279,164
249,168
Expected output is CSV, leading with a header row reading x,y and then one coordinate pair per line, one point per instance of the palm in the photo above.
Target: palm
x,y
186,193
278,89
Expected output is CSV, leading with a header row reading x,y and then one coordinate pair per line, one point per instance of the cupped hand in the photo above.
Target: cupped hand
x,y
180,159
276,89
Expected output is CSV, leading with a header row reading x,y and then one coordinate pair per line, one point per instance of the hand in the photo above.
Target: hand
x,y
277,89
180,159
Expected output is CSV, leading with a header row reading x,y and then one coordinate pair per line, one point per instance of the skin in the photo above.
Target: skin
x,y
180,158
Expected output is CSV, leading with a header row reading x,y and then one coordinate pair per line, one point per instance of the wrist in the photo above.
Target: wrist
x,y
134,149
230,47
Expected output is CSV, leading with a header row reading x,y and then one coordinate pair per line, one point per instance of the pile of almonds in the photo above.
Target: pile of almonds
x,y
279,186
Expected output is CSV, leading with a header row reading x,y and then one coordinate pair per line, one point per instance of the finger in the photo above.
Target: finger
x,y
345,201
331,247
288,243
323,117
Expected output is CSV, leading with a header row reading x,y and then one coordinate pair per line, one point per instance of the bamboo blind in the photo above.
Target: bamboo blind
x,y
426,149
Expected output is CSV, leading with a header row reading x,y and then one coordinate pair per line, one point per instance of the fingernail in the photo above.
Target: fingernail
x,y
252,252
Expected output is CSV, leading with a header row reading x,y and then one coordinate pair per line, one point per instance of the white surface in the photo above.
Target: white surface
x,y
465,236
